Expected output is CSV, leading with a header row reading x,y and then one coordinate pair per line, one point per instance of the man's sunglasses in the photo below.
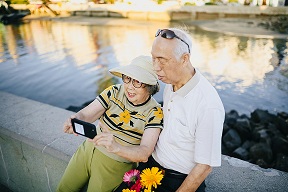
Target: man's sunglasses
x,y
168,34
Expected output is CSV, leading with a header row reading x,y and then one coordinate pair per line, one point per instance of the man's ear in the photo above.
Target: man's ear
x,y
185,59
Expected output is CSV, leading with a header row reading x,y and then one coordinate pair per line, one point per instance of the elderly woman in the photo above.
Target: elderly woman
x,y
130,123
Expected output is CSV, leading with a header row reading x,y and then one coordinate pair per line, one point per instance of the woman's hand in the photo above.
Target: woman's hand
x,y
67,127
137,153
106,139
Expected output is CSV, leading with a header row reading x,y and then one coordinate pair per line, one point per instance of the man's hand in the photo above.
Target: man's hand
x,y
106,139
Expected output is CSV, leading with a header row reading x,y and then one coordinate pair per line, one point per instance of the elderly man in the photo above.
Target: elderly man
x,y
190,142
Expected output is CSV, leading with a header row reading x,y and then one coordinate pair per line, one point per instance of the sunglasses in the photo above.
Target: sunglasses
x,y
126,79
168,34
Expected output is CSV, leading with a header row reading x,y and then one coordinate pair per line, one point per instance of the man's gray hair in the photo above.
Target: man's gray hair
x,y
181,47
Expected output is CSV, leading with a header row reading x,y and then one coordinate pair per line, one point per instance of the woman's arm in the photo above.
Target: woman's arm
x,y
90,114
138,153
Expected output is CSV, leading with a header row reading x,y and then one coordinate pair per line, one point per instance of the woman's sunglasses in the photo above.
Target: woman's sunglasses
x,y
168,34
126,79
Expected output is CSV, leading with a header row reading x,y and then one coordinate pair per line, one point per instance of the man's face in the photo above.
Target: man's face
x,y
165,63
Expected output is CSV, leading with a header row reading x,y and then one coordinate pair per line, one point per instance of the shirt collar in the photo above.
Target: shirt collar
x,y
183,91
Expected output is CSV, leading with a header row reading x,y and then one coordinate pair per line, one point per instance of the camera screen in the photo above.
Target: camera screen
x,y
79,129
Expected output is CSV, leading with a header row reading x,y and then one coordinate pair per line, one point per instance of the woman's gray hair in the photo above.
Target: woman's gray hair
x,y
153,89
181,47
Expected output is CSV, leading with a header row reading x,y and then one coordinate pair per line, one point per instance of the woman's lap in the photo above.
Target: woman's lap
x,y
77,173
89,165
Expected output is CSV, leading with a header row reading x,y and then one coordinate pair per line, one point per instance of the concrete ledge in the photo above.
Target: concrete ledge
x,y
34,152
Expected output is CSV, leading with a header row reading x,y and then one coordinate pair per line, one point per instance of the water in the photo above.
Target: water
x,y
66,64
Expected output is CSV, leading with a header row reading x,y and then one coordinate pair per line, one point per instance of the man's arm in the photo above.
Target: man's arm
x,y
194,179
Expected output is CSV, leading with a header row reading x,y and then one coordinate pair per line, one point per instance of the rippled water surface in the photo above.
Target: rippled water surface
x,y
66,64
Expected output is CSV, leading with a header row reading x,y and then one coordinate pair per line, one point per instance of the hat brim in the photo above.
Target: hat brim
x,y
135,72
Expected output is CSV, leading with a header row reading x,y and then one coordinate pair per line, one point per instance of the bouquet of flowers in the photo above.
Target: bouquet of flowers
x,y
145,181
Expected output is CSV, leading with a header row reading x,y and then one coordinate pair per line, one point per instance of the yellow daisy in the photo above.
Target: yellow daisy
x,y
158,113
151,178
125,116
128,190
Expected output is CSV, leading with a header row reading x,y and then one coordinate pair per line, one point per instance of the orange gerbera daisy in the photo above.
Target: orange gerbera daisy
x,y
151,178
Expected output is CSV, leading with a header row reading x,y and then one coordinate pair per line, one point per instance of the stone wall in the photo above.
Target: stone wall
x,y
34,152
33,149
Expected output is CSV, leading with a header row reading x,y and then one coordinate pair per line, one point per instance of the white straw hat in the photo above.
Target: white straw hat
x,y
140,68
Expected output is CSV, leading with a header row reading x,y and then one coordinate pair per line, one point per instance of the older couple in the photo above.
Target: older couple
x,y
131,121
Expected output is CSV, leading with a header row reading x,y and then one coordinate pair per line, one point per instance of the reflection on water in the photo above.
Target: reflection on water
x,y
244,70
67,64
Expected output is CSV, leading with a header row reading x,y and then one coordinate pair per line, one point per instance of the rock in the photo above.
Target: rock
x,y
242,126
225,128
272,130
262,116
264,137
257,133
231,118
241,153
283,115
262,163
279,145
232,140
282,125
224,150
282,162
247,144
261,151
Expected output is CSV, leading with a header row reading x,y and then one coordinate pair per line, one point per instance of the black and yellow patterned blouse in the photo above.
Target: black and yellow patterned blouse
x,y
126,121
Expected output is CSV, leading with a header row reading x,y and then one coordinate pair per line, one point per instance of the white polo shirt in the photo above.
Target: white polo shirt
x,y
193,124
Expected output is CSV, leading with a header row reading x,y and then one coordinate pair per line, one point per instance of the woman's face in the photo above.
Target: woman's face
x,y
135,95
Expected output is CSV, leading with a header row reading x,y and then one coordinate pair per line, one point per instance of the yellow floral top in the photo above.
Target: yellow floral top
x,y
126,121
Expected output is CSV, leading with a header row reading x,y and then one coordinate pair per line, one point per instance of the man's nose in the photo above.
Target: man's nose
x,y
156,65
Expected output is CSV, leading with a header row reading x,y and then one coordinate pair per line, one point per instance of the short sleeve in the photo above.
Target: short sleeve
x,y
105,97
208,138
155,118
